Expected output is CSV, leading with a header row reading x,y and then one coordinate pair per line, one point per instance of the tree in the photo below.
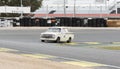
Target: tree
x,y
34,4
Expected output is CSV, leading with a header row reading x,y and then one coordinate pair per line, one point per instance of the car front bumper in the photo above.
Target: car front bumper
x,y
50,39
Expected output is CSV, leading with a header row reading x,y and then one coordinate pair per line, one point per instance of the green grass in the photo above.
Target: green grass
x,y
110,47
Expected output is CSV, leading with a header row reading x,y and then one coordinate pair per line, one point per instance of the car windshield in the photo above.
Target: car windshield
x,y
54,30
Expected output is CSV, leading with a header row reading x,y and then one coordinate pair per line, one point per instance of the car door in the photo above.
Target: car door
x,y
64,35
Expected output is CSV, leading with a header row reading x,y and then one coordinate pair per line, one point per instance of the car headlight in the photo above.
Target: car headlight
x,y
41,35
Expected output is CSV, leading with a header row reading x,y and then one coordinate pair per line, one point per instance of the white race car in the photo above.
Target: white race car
x,y
58,34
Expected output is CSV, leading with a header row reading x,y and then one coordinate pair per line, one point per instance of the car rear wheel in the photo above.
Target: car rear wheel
x,y
69,40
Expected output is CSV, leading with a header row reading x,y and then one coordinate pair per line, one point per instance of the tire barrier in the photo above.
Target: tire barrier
x,y
97,22
25,22
72,22
16,22
63,21
79,22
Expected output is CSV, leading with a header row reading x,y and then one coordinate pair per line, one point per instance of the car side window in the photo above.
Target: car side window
x,y
54,30
59,30
64,30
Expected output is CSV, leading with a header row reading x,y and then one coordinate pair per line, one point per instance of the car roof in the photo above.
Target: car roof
x,y
58,27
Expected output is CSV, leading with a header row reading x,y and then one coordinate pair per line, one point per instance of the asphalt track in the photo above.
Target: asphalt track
x,y
28,42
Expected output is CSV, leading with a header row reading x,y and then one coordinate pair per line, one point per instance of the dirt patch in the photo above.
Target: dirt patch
x,y
14,61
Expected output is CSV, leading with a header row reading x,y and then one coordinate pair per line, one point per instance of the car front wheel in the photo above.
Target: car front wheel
x,y
42,40
58,40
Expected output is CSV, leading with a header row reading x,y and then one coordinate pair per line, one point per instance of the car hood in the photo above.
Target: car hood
x,y
54,33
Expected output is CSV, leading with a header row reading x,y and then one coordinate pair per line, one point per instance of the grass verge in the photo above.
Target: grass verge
x,y
110,47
